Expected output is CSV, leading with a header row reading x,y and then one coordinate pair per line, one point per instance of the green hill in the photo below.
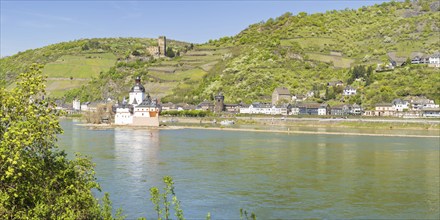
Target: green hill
x,y
80,66
305,52
301,52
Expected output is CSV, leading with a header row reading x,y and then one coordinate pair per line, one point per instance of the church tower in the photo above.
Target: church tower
x,y
137,93
219,103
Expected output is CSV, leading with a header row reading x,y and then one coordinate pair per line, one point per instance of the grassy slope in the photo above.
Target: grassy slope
x,y
80,66
337,61
289,51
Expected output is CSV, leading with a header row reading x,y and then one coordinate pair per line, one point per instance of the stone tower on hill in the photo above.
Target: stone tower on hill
x,y
161,49
162,42
219,103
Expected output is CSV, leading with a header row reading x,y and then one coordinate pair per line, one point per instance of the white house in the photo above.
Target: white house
x,y
422,102
348,90
267,109
400,105
123,116
283,109
434,60
384,109
323,109
245,109
76,105
294,110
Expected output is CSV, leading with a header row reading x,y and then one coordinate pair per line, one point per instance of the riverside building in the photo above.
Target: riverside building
x,y
140,110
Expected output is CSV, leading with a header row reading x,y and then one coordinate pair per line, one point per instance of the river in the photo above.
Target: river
x,y
274,175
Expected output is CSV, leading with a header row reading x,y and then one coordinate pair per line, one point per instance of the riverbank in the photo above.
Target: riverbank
x,y
312,132
370,123
297,129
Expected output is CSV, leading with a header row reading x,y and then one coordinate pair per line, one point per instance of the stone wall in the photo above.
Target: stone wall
x,y
153,50
146,121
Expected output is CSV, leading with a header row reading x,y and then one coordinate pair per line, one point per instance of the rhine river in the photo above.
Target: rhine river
x,y
274,175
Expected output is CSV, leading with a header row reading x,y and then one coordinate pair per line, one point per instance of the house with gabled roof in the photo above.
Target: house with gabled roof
x,y
310,108
340,110
400,105
279,94
206,106
356,109
324,109
384,109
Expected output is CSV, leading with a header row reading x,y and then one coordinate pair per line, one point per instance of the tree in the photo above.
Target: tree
x,y
157,198
37,181
170,52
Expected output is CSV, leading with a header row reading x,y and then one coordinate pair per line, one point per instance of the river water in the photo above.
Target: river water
x,y
276,176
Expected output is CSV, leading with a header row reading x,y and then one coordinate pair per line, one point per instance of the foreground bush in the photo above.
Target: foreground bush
x,y
36,179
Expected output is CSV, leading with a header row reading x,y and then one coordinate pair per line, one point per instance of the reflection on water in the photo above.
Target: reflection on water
x,y
137,151
135,159
273,175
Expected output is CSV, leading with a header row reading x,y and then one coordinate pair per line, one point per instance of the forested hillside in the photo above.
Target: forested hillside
x,y
301,52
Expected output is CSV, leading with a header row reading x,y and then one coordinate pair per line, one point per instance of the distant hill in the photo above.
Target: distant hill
x,y
301,52
101,68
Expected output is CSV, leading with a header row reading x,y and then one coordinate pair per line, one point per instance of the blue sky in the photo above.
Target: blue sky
x,y
33,24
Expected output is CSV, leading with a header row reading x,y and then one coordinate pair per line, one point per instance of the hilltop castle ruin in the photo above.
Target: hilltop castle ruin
x,y
161,49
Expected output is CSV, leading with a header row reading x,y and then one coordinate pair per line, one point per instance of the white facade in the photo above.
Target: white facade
x,y
435,60
85,107
76,105
294,111
400,106
145,110
322,111
264,109
385,108
245,110
349,91
141,111
136,98
423,103
123,116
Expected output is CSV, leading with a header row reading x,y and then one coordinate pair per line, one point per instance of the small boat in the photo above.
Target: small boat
x,y
227,122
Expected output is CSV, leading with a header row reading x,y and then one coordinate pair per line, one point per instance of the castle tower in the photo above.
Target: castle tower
x,y
219,103
137,93
162,42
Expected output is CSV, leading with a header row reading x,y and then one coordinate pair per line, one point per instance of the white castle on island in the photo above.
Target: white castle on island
x,y
140,110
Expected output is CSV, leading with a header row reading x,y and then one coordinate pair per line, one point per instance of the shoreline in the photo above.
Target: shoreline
x,y
316,132
177,127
